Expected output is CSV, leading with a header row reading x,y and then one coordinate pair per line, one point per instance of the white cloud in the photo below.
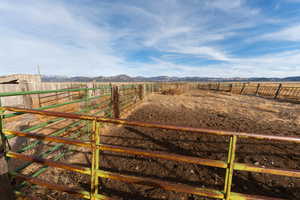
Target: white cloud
x,y
60,42
291,33
82,39
206,52
272,65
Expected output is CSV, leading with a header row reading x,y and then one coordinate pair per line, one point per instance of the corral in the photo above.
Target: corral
x,y
173,145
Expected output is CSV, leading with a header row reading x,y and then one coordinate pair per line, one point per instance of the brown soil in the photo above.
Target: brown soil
x,y
202,109
211,110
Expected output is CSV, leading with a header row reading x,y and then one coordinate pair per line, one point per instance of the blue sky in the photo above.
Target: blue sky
x,y
216,38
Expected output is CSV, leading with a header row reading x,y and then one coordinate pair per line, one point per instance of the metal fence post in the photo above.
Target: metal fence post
x,y
278,91
95,159
230,165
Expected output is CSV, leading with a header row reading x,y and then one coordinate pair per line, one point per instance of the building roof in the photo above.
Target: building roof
x,y
16,78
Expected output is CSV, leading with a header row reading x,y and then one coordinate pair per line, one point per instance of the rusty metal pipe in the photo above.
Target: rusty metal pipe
x,y
73,191
166,185
163,155
48,162
156,125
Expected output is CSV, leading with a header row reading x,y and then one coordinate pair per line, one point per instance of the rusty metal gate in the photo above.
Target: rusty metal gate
x,y
95,146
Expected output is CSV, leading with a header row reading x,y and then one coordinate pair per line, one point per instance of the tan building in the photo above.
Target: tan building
x,y
17,78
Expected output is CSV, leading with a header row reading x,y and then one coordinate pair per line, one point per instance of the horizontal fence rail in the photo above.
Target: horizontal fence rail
x,y
96,147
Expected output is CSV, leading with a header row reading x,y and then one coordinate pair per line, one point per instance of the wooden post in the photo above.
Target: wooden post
x,y
115,96
257,89
56,95
86,97
278,91
94,86
27,100
69,93
230,90
243,88
141,92
218,87
6,190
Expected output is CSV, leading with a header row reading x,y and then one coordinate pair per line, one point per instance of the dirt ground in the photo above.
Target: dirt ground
x,y
206,109
202,109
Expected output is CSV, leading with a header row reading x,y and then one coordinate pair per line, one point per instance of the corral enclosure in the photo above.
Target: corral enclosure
x,y
180,141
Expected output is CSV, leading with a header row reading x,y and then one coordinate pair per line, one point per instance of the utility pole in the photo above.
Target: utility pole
x,y
38,70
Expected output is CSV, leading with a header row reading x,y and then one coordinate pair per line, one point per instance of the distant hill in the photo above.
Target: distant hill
x,y
126,78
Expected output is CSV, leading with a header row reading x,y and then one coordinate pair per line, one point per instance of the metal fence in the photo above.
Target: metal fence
x,y
101,100
84,130
95,146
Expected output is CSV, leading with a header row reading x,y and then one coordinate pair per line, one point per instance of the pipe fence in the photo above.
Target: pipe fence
x,y
101,105
95,146
99,100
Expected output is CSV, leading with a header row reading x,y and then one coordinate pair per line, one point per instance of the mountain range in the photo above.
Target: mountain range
x,y
126,78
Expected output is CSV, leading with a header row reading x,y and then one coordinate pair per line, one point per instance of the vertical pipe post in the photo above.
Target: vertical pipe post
x,y
278,91
95,160
230,165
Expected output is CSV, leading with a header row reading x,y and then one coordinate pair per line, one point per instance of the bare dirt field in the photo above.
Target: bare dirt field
x,y
205,109
201,109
